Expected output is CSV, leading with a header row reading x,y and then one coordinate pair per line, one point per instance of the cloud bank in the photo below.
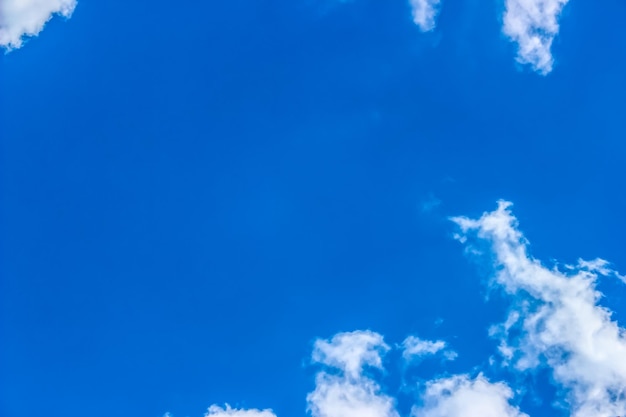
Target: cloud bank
x,y
533,25
425,13
20,19
555,322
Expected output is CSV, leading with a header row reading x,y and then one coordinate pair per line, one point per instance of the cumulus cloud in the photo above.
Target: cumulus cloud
x,y
462,396
349,392
24,18
351,351
415,348
425,13
533,25
555,320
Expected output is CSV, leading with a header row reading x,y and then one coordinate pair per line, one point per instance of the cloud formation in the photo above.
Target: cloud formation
x,y
351,351
425,13
462,396
228,411
343,388
415,348
533,25
350,393
555,319
555,322
24,18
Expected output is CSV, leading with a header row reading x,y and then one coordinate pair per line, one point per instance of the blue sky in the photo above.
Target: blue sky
x,y
291,207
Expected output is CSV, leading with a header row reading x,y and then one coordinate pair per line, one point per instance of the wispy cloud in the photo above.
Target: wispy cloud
x,y
416,348
228,411
557,319
533,25
425,13
23,18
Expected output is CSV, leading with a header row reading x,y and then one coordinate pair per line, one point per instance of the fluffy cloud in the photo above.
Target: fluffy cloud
x,y
533,25
350,393
23,18
424,13
415,348
351,351
556,320
462,396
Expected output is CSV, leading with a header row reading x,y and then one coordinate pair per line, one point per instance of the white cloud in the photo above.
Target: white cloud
x,y
415,348
425,13
350,393
557,319
533,25
461,396
351,351
23,18
600,266
228,411
335,396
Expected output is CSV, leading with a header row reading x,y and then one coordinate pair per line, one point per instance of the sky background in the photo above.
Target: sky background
x,y
193,193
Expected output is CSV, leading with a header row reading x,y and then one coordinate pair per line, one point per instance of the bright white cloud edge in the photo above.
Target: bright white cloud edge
x,y
20,19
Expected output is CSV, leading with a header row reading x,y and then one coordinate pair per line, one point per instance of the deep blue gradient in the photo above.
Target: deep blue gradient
x,y
193,192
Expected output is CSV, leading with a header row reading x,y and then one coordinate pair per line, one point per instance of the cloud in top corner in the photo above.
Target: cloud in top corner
x,y
533,25
20,19
425,13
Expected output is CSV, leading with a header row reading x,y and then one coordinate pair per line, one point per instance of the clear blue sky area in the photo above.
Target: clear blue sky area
x,y
192,193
